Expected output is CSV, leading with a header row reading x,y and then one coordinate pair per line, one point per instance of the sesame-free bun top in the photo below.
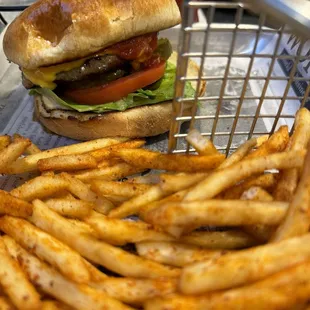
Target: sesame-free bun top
x,y
55,31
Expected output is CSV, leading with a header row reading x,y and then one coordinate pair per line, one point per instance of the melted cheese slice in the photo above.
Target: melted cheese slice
x,y
45,76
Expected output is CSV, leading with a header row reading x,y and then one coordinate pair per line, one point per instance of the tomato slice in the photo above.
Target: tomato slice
x,y
118,89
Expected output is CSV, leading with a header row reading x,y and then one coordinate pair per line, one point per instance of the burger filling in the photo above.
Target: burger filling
x,y
125,75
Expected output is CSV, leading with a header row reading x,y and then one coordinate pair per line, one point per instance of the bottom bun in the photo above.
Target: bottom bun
x,y
145,121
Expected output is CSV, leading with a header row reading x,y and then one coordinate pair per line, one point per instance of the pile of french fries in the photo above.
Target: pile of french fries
x,y
209,232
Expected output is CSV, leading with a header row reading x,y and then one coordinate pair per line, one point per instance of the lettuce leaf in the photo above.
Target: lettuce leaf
x,y
141,97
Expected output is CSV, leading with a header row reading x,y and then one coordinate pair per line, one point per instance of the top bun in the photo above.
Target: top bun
x,y
56,31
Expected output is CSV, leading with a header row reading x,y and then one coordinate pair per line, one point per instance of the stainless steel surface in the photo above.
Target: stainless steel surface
x,y
251,89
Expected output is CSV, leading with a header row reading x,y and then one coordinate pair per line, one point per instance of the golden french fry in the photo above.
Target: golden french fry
x,y
116,200
218,212
260,232
242,151
70,208
109,162
67,162
123,189
244,266
106,152
222,179
84,227
14,206
97,251
4,142
40,187
133,205
288,182
297,221
136,291
202,145
176,197
6,304
230,239
116,172
176,254
83,191
59,255
151,178
266,181
15,283
256,193
276,143
180,181
151,198
54,305
154,160
29,163
31,149
12,152
120,232
79,296
279,291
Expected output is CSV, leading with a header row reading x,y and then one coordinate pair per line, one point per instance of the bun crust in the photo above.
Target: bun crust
x,y
138,122
55,31
144,121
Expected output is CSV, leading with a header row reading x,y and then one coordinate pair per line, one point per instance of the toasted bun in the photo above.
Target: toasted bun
x,y
55,31
145,121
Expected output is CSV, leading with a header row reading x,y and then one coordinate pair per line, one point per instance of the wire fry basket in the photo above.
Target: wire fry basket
x,y
272,84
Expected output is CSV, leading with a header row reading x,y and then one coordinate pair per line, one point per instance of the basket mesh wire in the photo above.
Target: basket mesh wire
x,y
238,103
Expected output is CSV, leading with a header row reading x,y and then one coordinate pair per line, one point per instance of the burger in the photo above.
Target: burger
x,y
97,68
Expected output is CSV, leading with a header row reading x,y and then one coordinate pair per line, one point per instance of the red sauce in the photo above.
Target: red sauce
x,y
139,48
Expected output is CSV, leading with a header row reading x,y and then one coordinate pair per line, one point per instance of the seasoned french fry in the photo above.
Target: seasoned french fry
x,y
288,182
266,181
133,205
15,283
67,162
40,187
10,154
59,255
84,228
79,296
260,232
297,221
276,143
202,145
177,182
136,291
123,189
245,266
116,172
218,213
222,179
279,291
70,208
29,163
54,305
99,252
14,206
151,198
230,239
176,254
242,151
106,152
153,160
82,191
31,149
4,142
151,178
6,304
109,162
119,232
256,193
